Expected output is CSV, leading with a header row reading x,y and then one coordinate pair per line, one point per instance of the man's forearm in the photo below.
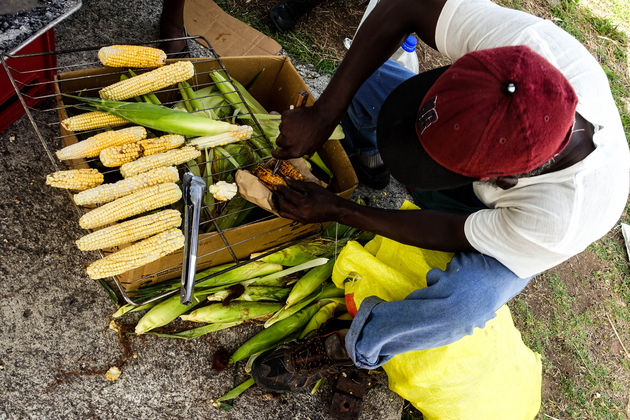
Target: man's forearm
x,y
378,38
423,228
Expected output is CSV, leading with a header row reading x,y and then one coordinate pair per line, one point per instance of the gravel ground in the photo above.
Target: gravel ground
x,y
55,343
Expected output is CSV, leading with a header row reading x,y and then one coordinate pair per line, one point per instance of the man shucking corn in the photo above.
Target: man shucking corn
x,y
515,153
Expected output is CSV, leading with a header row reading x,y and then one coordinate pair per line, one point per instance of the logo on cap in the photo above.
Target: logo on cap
x,y
427,115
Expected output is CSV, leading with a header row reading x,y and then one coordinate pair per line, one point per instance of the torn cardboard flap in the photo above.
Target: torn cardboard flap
x,y
226,34
252,190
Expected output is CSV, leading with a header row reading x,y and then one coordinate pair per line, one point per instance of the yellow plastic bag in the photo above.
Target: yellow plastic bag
x,y
490,374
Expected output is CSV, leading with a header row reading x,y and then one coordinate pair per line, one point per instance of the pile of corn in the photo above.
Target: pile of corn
x,y
146,153
289,292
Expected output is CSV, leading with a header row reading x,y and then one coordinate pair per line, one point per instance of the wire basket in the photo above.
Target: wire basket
x,y
79,72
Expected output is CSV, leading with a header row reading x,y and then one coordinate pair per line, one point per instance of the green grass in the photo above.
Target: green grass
x,y
563,338
298,44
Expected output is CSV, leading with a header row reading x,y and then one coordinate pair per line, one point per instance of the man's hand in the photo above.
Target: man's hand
x,y
302,132
307,202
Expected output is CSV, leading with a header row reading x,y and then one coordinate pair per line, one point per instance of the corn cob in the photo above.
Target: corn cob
x,y
172,157
93,145
131,56
92,120
137,255
310,282
141,201
236,311
109,192
272,181
267,177
167,311
327,291
159,117
325,313
274,334
240,132
118,155
75,179
130,231
253,294
149,82
286,169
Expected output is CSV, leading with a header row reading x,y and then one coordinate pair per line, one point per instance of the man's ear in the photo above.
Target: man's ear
x,y
506,182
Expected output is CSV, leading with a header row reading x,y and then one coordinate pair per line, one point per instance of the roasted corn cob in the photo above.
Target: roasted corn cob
x,y
172,157
92,120
286,169
131,56
137,255
75,179
147,199
149,82
130,231
267,177
109,192
272,181
93,145
118,155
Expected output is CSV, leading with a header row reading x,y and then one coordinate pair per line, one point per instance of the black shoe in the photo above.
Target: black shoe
x,y
376,178
298,365
286,14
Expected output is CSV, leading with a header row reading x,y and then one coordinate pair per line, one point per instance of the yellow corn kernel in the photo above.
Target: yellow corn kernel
x,y
131,56
130,231
109,192
117,155
92,146
149,82
75,179
92,120
267,177
137,255
172,157
147,199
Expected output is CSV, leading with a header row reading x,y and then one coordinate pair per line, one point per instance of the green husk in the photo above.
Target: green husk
x,y
310,282
129,308
242,273
324,313
167,311
233,393
235,311
158,117
254,294
326,292
298,254
269,280
196,332
274,334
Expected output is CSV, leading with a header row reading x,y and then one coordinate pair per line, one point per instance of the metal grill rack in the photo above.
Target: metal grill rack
x,y
35,88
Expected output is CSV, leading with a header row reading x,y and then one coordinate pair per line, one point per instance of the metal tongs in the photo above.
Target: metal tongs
x,y
193,190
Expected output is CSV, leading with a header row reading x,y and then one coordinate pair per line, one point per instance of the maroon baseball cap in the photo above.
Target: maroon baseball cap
x,y
500,111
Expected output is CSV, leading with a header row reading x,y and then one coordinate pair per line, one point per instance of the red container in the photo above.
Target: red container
x,y
33,75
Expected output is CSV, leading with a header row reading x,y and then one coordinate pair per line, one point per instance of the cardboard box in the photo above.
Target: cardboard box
x,y
227,35
276,88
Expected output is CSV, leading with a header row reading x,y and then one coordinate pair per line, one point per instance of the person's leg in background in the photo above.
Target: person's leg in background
x,y
172,26
359,123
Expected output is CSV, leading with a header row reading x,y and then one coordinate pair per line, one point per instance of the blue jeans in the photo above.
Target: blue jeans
x,y
359,122
456,300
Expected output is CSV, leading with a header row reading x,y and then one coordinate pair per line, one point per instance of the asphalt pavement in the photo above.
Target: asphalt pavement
x,y
55,340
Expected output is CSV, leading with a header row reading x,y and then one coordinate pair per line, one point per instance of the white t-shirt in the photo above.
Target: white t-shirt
x,y
545,219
